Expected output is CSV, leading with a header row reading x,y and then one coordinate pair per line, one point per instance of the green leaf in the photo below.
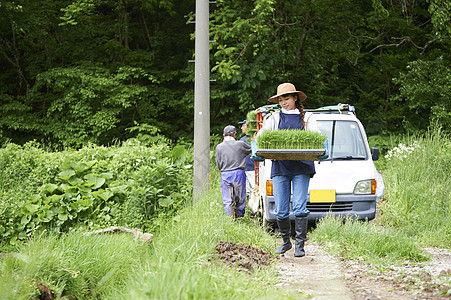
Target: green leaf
x,y
75,181
94,181
166,201
68,189
32,208
25,219
105,195
66,174
50,187
63,214
121,189
107,175
82,166
178,154
83,204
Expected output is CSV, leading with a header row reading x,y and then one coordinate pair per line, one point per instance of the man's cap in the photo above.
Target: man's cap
x,y
229,130
242,122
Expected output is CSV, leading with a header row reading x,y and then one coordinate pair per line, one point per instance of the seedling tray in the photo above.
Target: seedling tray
x,y
290,154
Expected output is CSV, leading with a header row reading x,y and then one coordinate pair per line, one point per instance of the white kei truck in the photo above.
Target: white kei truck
x,y
345,184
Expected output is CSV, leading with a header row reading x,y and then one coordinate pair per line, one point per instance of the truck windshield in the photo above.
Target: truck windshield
x,y
345,139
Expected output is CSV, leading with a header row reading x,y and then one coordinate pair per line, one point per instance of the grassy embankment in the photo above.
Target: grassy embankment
x,y
174,266
415,211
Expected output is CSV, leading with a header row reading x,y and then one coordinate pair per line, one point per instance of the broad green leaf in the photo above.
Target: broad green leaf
x,y
82,166
25,219
66,174
75,181
83,204
68,189
32,208
50,187
63,216
94,181
107,175
56,198
166,201
103,194
178,154
121,189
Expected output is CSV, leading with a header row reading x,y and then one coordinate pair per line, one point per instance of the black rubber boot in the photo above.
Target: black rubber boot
x,y
300,224
285,232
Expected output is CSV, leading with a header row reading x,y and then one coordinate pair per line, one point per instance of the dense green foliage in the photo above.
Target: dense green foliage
x,y
73,72
133,184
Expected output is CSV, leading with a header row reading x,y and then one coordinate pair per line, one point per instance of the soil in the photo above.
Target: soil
x,y
241,256
320,275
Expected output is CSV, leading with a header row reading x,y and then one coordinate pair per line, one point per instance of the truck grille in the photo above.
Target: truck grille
x,y
326,207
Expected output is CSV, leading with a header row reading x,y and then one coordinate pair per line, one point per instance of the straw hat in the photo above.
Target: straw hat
x,y
287,88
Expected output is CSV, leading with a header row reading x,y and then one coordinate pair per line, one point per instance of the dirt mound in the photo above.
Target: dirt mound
x,y
241,256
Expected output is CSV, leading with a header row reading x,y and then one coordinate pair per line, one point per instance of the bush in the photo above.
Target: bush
x,y
129,184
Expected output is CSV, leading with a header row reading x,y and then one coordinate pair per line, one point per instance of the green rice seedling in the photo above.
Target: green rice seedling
x,y
251,122
291,139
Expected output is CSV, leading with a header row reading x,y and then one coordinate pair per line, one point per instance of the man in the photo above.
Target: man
x,y
250,164
231,161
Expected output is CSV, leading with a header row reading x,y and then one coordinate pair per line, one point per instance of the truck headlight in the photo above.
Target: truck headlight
x,y
365,187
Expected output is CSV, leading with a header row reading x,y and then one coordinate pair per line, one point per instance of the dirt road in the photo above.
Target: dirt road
x,y
319,275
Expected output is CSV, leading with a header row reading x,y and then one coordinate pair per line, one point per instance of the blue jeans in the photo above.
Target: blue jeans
x,y
233,190
282,195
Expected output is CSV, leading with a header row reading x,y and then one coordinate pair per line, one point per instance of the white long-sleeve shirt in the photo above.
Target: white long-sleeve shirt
x,y
272,121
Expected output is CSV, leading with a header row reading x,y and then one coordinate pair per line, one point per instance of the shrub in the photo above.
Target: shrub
x,y
129,185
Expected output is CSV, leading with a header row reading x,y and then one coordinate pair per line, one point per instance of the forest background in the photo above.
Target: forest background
x,y
100,71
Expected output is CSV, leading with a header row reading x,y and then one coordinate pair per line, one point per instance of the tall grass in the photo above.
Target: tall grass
x,y
354,239
418,189
180,269
73,265
175,266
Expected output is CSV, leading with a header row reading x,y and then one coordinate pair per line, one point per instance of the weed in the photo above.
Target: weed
x,y
418,187
358,240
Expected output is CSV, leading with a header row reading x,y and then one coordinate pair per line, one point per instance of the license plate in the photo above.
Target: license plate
x,y
322,196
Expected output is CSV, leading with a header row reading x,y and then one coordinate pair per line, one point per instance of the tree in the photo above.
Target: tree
x,y
425,90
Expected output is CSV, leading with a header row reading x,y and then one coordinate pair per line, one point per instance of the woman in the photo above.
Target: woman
x,y
288,174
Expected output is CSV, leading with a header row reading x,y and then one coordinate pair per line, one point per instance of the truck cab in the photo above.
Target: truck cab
x,y
345,184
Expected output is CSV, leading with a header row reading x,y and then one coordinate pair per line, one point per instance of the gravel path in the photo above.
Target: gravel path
x,y
319,275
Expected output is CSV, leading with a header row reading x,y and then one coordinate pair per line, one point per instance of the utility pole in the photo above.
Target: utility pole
x,y
201,101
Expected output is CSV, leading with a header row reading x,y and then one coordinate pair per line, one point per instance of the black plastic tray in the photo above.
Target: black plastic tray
x,y
290,154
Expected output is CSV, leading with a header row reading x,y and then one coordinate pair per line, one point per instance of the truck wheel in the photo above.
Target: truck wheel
x,y
268,226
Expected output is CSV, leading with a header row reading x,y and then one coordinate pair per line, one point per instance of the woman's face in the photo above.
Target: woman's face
x,y
288,101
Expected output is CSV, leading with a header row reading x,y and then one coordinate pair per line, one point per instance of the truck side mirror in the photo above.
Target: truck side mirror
x,y
375,153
